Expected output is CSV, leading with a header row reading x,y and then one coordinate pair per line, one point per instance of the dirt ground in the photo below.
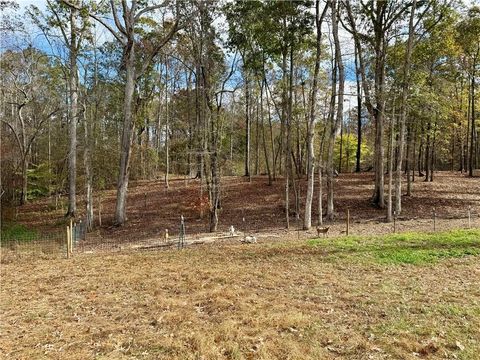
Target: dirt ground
x,y
256,207
282,300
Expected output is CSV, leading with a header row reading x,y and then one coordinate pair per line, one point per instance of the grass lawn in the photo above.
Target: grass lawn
x,y
397,297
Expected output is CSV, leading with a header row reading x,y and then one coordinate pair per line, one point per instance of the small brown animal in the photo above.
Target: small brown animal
x,y
323,230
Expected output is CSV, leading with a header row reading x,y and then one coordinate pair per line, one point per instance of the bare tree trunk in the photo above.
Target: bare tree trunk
x,y
331,146
288,158
320,179
272,143
341,147
403,110
359,114
257,141
283,115
410,159
472,127
427,152
73,109
379,194
88,173
167,128
247,127
335,122
24,198
432,155
390,167
307,222
126,143
320,193
265,151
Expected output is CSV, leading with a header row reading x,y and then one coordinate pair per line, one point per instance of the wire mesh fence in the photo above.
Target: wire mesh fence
x,y
59,244
51,244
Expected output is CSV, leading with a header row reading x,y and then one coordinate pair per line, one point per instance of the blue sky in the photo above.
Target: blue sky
x,y
103,35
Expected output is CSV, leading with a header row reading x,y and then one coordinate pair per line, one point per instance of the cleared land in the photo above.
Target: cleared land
x,y
152,208
403,296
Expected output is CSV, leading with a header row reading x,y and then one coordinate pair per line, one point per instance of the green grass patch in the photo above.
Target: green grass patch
x,y
408,248
17,232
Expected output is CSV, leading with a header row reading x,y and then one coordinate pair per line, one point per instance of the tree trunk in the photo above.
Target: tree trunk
x,y
73,109
159,119
288,158
472,128
390,167
88,173
359,115
331,146
270,126
320,193
23,197
257,140
341,147
247,127
334,121
265,151
427,152
126,143
379,194
307,222
432,155
410,165
167,128
403,110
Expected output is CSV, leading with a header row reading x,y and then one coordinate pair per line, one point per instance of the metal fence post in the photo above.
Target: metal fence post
x,y
181,238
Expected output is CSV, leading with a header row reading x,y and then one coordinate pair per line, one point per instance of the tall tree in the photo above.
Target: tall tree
x,y
378,18
335,119
469,39
134,65
403,109
307,221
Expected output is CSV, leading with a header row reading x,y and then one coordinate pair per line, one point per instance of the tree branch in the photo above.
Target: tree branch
x,y
157,48
17,138
145,10
116,20
119,36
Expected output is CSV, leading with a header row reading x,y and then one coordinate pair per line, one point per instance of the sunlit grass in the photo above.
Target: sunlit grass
x,y
408,248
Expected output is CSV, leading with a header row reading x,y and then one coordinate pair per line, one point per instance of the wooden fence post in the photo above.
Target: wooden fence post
x,y
68,242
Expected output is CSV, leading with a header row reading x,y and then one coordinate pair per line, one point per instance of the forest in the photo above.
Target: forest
x,y
95,94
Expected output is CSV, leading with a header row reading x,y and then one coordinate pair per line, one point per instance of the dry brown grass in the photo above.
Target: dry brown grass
x,y
273,300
